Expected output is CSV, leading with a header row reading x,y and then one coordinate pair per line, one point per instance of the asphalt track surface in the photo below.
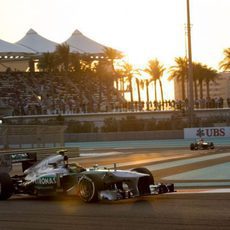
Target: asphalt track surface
x,y
197,205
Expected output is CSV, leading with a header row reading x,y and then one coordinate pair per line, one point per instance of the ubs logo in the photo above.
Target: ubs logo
x,y
211,132
200,133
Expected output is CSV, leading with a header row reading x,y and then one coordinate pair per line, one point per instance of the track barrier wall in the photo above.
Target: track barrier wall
x,y
31,136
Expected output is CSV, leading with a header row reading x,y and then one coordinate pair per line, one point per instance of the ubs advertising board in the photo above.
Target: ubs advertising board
x,y
206,132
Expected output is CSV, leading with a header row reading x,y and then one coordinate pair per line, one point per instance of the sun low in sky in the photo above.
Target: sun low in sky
x,y
142,29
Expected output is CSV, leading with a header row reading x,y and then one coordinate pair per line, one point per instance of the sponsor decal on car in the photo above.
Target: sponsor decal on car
x,y
45,181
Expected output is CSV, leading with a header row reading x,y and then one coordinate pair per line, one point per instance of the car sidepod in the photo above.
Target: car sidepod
x,y
46,183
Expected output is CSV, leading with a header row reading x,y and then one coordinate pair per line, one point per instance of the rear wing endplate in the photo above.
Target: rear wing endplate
x,y
8,159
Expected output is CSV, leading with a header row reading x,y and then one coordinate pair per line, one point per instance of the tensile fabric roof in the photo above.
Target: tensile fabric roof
x,y
32,40
82,44
7,48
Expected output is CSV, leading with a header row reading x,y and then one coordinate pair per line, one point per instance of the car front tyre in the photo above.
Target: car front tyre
x,y
88,188
144,182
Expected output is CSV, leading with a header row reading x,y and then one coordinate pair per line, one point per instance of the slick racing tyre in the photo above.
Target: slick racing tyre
x,y
144,182
192,146
196,146
6,186
211,145
88,188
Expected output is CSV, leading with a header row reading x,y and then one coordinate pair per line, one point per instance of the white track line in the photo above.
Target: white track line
x,y
198,191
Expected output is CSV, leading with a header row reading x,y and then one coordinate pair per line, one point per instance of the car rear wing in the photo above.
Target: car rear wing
x,y
27,159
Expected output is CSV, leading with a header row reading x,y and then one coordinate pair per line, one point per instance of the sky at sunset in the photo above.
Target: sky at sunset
x,y
142,29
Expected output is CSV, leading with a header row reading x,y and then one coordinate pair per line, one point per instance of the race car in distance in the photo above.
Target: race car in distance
x,y
201,144
54,175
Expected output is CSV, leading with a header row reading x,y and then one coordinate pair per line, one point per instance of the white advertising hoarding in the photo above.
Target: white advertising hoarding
x,y
206,132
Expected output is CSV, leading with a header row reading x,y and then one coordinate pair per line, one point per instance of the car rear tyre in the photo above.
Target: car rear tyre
x,y
6,186
144,182
212,145
192,146
88,188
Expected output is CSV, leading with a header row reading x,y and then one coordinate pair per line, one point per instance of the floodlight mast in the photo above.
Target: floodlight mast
x,y
190,70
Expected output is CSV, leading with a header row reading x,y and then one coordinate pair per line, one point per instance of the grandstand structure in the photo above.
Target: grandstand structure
x,y
42,93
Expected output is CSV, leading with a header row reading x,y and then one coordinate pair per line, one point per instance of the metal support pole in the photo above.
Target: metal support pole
x,y
190,71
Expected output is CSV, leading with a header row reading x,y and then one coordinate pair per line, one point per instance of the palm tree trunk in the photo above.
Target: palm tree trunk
x,y
208,90
131,93
109,99
138,92
195,88
116,81
183,88
201,89
122,86
147,94
100,95
117,86
161,88
155,89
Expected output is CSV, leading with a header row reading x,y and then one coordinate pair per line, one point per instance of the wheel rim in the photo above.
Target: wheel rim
x,y
86,189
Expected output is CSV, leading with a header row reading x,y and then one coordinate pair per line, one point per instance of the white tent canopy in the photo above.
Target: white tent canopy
x,y
37,43
33,43
9,49
82,44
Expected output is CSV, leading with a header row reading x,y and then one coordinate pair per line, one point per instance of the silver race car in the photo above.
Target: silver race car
x,y
201,144
54,175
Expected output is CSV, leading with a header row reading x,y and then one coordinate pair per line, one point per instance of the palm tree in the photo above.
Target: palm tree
x,y
195,78
203,73
111,56
75,62
140,84
156,70
104,79
198,75
100,76
211,74
63,53
147,82
179,72
47,62
121,76
225,63
129,74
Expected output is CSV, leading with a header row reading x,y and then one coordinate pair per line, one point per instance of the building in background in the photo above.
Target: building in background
x,y
219,88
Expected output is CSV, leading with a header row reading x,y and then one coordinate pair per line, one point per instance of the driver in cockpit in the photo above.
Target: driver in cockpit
x,y
65,157
66,161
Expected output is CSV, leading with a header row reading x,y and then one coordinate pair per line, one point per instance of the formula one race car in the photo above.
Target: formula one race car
x,y
54,175
201,144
